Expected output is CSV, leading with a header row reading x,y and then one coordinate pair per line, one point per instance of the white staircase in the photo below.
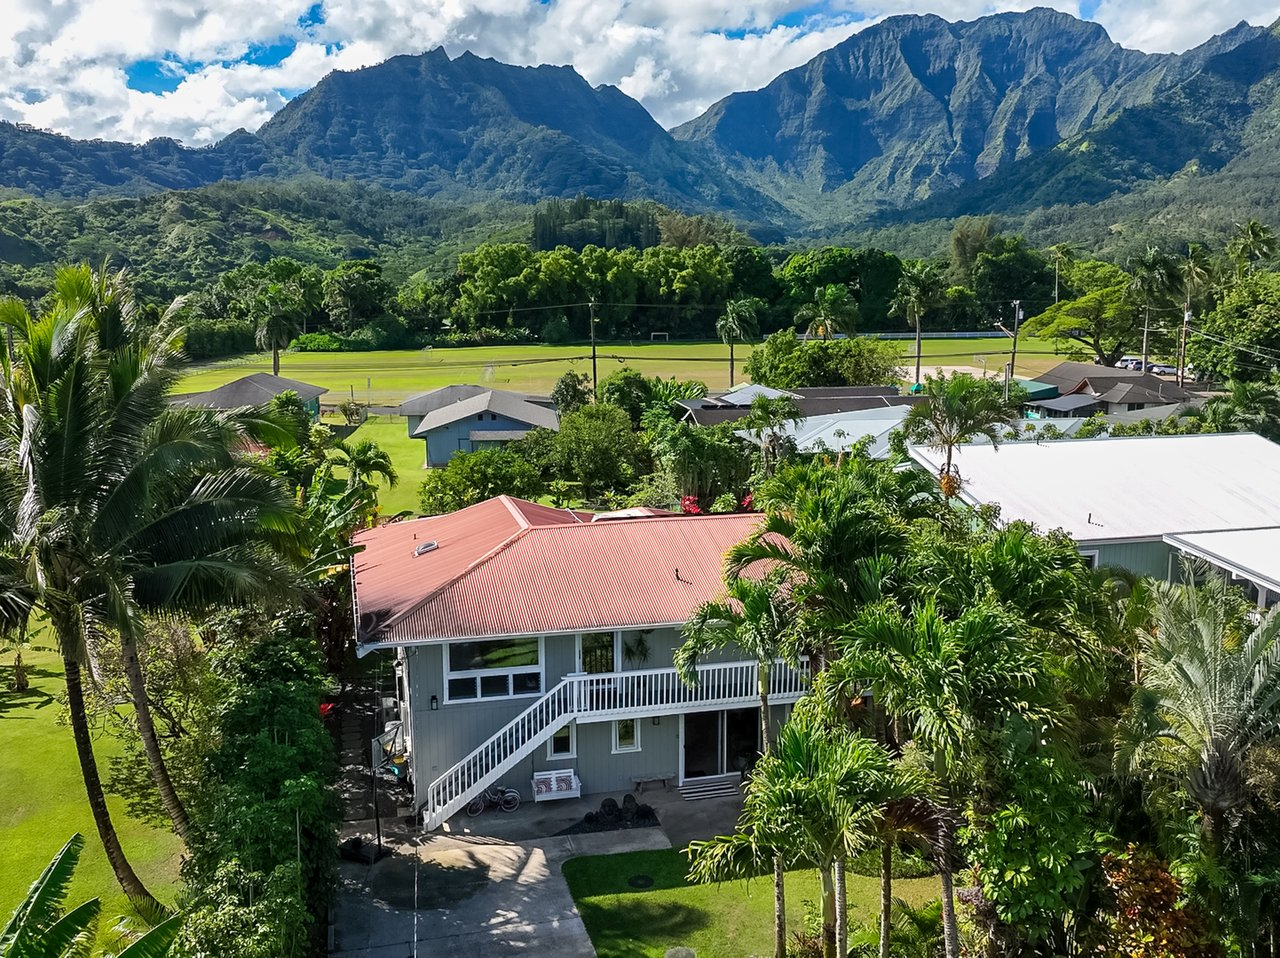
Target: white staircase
x,y
599,698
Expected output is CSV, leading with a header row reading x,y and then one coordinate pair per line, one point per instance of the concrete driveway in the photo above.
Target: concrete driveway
x,y
470,895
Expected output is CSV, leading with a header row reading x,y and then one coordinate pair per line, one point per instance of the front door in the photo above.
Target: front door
x,y
599,653
720,743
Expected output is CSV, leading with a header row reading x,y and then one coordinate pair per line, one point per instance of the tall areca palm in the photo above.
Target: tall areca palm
x,y
952,680
118,504
833,310
957,409
819,794
739,322
1245,407
1210,692
920,289
756,617
1195,273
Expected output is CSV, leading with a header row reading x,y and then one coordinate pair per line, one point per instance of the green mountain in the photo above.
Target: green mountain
x,y
916,106
1037,116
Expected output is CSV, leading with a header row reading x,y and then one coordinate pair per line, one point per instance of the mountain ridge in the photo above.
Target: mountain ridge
x,y
912,118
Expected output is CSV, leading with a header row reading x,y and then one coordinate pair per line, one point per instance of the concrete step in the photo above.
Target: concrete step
x,y
711,788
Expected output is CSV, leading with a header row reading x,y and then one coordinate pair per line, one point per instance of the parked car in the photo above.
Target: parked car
x,y
1163,369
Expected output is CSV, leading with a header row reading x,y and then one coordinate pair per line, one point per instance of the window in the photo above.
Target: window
x,y
626,735
480,418
564,744
497,669
1090,559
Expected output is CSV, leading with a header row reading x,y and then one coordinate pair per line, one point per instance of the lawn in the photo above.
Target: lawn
x,y
735,918
388,377
42,802
391,433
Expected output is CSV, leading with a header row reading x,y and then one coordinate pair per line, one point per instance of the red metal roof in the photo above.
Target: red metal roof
x,y
509,567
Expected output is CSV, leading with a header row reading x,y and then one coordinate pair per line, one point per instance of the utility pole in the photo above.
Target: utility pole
x,y
1013,352
595,383
1146,329
1182,347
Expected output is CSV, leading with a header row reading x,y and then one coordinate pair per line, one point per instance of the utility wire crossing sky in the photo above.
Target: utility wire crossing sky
x,y
136,69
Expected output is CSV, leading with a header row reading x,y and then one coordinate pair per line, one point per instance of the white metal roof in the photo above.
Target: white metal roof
x,y
1253,554
1132,488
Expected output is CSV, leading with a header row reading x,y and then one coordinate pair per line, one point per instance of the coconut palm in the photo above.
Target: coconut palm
x,y
280,310
42,927
1253,243
1062,255
118,504
920,289
1210,693
739,322
1154,277
957,409
768,416
819,796
833,310
1195,273
952,680
755,616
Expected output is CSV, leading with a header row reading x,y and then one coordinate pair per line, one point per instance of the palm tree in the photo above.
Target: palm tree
x,y
364,459
955,410
1154,277
1245,407
739,322
755,616
1195,272
1210,693
41,927
118,504
1253,243
952,680
1062,255
765,421
833,310
920,289
281,310
818,795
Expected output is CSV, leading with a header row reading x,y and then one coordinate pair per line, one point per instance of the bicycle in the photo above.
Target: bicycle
x,y
507,799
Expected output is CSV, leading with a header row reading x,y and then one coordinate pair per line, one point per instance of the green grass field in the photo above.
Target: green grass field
x,y
735,918
388,377
42,802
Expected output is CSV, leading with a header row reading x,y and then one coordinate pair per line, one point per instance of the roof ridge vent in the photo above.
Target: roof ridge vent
x,y
424,547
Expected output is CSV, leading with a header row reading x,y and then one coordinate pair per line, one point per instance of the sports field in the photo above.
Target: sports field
x,y
386,378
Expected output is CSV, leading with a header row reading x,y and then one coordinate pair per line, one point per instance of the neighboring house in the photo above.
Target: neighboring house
x,y
1137,502
840,432
532,642
1085,388
257,389
456,419
814,401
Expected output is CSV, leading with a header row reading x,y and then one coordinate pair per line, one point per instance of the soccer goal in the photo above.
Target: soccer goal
x,y
656,337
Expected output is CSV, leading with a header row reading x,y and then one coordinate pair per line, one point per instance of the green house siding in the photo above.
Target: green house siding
x,y
1140,558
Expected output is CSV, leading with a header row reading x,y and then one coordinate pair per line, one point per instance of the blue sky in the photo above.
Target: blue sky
x,y
134,69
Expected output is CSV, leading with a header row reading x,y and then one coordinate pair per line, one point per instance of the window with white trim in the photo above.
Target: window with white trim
x,y
1090,557
626,735
493,669
564,743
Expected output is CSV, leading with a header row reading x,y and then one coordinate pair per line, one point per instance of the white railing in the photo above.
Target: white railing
x,y
598,697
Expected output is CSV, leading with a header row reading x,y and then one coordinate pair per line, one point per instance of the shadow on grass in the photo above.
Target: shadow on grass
x,y
34,698
611,874
630,929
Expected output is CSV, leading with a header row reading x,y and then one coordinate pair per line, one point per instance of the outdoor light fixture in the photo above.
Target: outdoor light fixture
x,y
435,703
657,720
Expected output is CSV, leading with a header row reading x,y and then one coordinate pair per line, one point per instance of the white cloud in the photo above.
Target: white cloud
x,y
63,62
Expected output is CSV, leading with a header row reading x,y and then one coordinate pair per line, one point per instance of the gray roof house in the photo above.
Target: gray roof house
x,y
1139,502
811,401
255,389
465,418
1107,389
